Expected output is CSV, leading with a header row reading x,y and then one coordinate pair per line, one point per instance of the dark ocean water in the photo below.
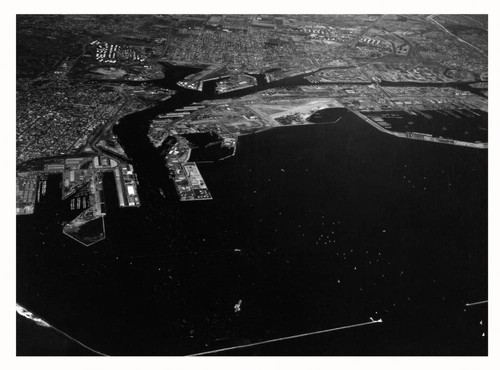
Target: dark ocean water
x,y
35,340
311,227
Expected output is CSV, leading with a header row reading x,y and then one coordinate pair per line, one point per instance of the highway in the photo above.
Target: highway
x,y
431,19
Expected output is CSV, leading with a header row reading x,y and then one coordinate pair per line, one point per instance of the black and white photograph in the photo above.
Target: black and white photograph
x,y
251,184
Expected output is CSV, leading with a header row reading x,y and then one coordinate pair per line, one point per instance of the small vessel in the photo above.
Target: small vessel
x,y
237,306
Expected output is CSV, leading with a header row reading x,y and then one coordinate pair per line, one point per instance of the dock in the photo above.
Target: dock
x,y
189,183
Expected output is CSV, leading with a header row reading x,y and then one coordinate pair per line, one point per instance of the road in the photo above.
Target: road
x,y
431,19
97,135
